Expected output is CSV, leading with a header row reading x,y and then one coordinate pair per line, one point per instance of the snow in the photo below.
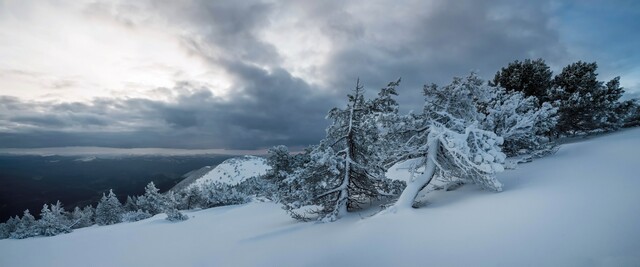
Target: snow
x,y
234,171
578,207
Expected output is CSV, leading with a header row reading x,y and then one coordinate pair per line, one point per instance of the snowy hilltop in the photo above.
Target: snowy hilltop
x,y
234,171
231,171
574,208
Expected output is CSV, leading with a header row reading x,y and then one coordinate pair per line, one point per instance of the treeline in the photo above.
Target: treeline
x,y
463,135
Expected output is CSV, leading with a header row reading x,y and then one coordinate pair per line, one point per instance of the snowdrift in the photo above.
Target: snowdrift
x,y
579,207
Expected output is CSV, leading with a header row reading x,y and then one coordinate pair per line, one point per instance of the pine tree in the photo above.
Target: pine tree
x,y
53,221
152,201
8,227
130,204
109,210
531,77
586,104
173,214
344,171
25,227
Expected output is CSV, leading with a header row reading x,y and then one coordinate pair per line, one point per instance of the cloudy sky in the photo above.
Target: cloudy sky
x,y
251,74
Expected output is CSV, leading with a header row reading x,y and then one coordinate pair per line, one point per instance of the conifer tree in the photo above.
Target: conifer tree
x,y
109,210
53,221
152,201
25,227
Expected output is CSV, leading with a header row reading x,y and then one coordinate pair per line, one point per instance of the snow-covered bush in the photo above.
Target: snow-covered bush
x,y
134,216
218,194
173,215
82,217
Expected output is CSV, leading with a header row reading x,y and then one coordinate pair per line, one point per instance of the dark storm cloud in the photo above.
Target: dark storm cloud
x,y
268,105
276,109
450,38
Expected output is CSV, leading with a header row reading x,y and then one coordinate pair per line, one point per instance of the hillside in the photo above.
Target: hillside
x,y
578,207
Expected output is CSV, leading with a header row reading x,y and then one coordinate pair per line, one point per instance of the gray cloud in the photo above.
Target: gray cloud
x,y
267,104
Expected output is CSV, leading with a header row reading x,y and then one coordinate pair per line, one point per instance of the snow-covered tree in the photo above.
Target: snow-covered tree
x,y
524,125
53,220
131,204
449,142
282,164
344,171
25,227
8,227
191,198
109,210
82,217
152,201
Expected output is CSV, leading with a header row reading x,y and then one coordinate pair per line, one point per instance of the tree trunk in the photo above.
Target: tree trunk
x,y
409,194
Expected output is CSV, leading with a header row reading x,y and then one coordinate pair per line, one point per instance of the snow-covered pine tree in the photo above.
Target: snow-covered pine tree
x,y
109,210
192,198
25,227
9,226
449,141
344,171
130,204
283,164
82,217
4,231
152,201
53,220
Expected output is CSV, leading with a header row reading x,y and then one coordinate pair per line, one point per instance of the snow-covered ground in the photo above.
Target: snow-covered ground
x,y
234,171
579,207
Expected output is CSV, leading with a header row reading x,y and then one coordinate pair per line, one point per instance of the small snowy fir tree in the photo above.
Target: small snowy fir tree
x,y
82,217
173,214
53,220
449,142
25,227
9,227
152,201
109,210
130,204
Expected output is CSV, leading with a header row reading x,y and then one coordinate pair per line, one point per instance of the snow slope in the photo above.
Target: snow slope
x,y
233,171
579,207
